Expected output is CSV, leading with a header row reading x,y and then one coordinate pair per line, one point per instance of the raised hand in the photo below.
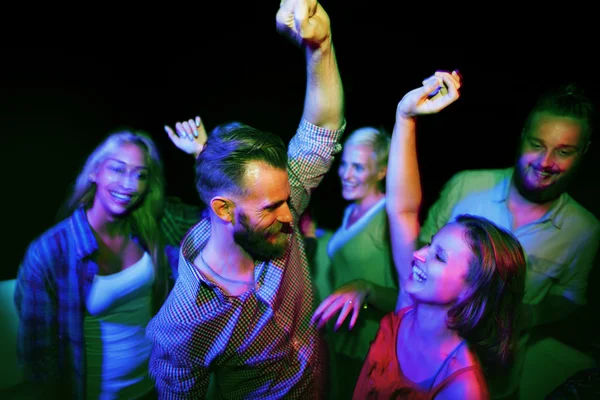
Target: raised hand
x,y
438,91
304,22
189,136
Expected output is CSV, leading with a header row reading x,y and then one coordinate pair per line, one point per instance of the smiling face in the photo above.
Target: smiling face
x,y
551,151
359,173
440,269
263,216
121,180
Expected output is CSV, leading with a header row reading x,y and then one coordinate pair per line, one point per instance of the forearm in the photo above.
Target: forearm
x,y
324,101
381,297
403,184
403,195
310,156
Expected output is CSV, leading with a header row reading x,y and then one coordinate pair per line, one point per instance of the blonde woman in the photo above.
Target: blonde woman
x,y
88,286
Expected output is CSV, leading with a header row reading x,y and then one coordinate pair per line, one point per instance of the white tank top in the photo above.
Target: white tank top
x,y
119,306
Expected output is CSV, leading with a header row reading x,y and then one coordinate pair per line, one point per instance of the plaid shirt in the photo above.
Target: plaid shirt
x,y
52,284
259,345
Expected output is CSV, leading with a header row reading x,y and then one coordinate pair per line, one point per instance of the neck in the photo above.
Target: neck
x,y
518,203
222,250
104,225
363,205
429,323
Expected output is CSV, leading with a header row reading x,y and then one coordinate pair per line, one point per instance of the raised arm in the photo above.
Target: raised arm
x,y
403,199
403,184
306,24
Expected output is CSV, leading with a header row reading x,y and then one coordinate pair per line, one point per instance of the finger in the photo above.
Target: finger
x,y
193,128
301,17
433,82
318,319
343,314
172,135
355,312
454,76
451,86
189,130
324,304
287,5
180,130
432,86
457,78
198,122
284,16
312,7
330,311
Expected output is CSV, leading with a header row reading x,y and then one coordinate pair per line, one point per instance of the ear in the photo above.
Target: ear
x,y
223,208
92,177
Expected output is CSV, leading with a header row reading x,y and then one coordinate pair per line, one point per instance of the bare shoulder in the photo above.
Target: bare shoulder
x,y
467,385
466,378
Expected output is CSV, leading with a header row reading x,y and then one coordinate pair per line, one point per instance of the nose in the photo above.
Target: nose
x,y
285,215
128,182
345,172
547,160
419,255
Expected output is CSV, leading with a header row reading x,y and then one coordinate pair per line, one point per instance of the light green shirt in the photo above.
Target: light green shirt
x,y
560,246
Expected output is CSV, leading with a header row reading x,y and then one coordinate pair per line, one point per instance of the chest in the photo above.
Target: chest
x,y
424,364
116,255
522,218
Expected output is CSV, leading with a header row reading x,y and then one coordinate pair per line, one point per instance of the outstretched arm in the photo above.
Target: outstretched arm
x,y
403,184
306,24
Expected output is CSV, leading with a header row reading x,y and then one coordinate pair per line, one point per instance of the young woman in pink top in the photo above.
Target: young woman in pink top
x,y
461,294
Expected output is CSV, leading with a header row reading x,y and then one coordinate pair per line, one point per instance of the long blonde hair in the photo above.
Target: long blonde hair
x,y
144,218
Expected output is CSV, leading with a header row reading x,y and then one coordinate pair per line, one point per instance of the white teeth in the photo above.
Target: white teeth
x,y
120,196
419,274
542,174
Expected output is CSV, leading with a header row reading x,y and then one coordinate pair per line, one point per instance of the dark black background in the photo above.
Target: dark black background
x,y
59,99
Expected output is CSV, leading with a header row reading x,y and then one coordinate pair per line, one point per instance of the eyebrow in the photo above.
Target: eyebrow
x,y
272,206
123,162
438,248
562,146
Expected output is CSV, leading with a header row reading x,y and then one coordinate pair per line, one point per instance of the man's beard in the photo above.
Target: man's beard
x,y
255,242
541,195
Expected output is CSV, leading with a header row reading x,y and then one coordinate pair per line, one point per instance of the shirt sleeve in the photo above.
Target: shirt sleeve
x,y
573,283
310,156
35,301
175,379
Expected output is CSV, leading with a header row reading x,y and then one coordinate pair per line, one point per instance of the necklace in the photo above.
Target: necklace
x,y
222,277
